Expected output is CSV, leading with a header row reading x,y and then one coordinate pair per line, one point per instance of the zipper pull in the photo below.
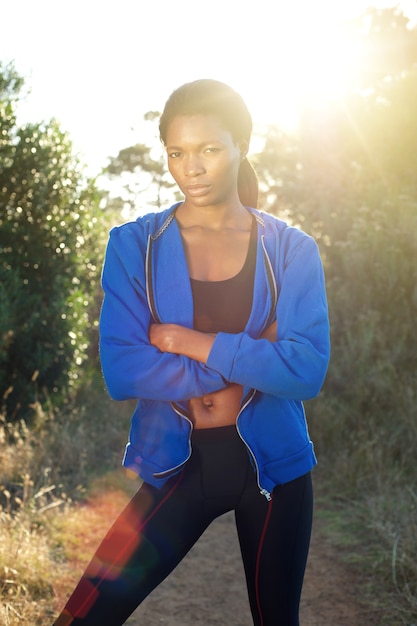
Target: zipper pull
x,y
267,495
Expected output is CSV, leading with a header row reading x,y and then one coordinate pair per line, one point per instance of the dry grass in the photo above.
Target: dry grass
x,y
44,469
371,466
27,570
48,530
27,564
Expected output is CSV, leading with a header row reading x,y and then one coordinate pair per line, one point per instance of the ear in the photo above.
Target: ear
x,y
243,146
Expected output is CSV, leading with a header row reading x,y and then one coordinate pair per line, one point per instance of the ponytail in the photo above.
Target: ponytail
x,y
247,184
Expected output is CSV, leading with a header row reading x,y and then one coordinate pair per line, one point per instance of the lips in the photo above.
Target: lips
x,y
197,190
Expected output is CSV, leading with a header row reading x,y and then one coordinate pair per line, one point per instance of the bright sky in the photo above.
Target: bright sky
x,y
98,65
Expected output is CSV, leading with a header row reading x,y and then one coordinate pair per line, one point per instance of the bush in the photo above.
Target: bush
x,y
50,258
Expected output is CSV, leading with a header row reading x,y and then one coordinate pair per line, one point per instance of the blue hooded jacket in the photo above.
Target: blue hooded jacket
x,y
145,280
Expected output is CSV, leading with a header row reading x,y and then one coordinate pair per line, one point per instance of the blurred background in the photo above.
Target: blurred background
x,y
332,87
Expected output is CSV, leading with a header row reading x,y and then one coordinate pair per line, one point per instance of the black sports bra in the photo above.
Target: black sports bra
x,y
225,305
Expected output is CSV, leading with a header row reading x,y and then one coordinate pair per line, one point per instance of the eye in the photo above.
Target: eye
x,y
174,155
211,149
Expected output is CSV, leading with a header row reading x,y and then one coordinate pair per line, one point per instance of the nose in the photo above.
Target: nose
x,y
193,165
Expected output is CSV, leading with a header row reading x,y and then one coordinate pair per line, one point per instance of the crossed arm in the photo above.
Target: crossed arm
x,y
191,343
224,404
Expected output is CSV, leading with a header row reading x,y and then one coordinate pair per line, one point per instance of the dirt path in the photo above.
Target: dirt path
x,y
208,586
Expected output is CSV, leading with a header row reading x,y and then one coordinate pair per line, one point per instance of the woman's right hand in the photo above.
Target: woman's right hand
x,y
270,333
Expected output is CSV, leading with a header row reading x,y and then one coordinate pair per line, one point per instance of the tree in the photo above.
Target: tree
x,y
388,44
140,172
349,179
360,145
49,256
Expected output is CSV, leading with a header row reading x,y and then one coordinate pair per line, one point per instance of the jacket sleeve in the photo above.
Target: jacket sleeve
x,y
295,365
132,367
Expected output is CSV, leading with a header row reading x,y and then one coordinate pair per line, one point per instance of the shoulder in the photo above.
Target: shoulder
x,y
149,225
281,232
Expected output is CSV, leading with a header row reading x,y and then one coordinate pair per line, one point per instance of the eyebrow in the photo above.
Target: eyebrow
x,y
200,145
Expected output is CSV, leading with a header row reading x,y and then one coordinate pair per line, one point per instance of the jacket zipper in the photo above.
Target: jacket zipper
x,y
148,280
173,469
263,492
272,282
149,291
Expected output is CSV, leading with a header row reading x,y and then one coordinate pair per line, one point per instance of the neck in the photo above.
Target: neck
x,y
216,217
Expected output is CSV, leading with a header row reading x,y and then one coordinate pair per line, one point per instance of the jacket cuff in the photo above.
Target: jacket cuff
x,y
223,352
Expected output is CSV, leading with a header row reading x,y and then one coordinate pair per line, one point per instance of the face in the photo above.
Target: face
x,y
203,159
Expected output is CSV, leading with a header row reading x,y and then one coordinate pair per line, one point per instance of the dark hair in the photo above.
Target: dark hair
x,y
214,98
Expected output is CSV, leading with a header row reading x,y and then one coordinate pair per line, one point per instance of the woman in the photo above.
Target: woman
x,y
215,319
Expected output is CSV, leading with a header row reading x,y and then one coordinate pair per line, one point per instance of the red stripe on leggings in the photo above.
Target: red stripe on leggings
x,y
258,559
90,595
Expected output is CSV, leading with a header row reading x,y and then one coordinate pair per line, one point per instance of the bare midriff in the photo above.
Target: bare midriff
x,y
216,409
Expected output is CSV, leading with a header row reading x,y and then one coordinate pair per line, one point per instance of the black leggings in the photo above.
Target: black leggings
x,y
158,527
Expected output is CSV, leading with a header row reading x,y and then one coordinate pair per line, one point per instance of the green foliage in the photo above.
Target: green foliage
x,y
43,468
349,179
49,257
388,45
142,173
